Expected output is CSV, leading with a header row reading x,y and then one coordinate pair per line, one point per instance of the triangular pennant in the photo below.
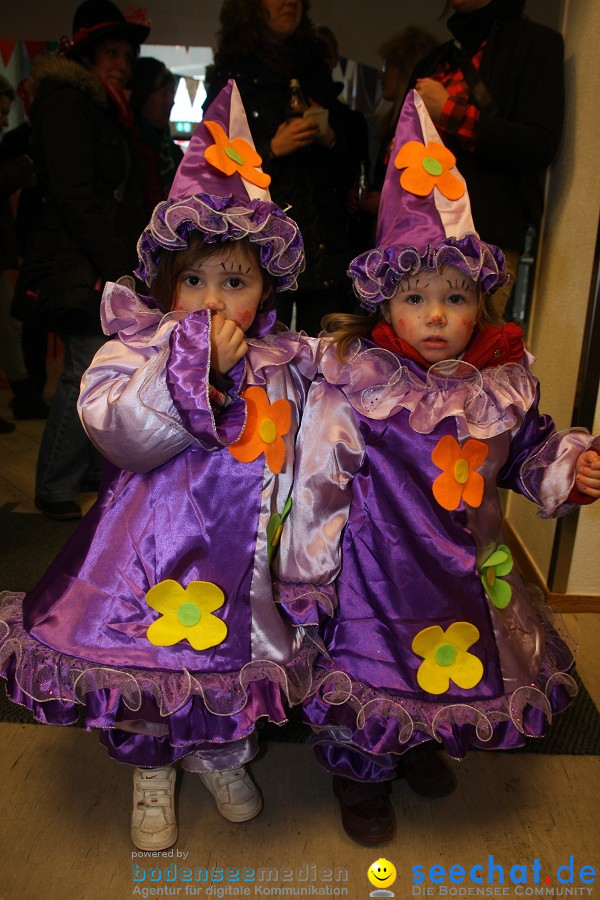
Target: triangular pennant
x,y
192,86
6,50
35,48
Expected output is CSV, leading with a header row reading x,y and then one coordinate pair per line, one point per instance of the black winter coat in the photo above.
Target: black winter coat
x,y
93,209
15,173
522,67
312,182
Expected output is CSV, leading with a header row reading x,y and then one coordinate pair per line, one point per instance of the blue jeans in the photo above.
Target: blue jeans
x,y
66,456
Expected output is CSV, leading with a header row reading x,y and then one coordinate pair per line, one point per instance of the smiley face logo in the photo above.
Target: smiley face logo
x,y
381,873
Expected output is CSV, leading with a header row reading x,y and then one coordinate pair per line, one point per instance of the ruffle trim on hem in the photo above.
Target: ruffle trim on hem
x,y
377,384
43,675
355,715
378,272
220,219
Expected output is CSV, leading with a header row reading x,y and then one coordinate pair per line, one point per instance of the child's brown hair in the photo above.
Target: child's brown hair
x,y
173,262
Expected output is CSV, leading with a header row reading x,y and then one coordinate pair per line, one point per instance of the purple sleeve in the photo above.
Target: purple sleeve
x,y
541,464
126,409
329,452
188,382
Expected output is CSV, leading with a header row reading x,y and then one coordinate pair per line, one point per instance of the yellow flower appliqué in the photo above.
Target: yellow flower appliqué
x,y
426,167
265,426
445,657
459,480
499,563
234,156
186,614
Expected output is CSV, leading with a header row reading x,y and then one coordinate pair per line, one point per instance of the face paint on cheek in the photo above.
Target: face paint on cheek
x,y
404,328
245,319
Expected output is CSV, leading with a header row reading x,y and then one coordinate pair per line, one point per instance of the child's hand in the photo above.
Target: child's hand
x,y
227,343
587,468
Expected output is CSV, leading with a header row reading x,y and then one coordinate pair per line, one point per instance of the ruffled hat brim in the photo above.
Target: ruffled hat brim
x,y
378,272
220,219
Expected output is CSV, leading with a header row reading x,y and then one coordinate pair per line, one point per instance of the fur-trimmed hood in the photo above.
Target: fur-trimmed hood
x,y
57,71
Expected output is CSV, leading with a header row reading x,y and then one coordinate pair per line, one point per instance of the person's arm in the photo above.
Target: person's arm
x,y
15,173
529,139
142,405
126,409
543,463
329,452
191,372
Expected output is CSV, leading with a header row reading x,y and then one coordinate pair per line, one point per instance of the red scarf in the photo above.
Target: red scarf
x,y
490,346
121,100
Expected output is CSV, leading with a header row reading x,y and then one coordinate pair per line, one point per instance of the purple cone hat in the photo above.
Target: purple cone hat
x,y
221,191
424,217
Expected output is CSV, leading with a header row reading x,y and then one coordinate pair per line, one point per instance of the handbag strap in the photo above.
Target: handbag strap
x,y
481,96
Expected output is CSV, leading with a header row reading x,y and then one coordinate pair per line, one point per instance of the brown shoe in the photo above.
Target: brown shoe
x,y
426,772
367,814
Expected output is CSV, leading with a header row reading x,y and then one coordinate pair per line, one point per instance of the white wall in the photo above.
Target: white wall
x,y
563,281
584,576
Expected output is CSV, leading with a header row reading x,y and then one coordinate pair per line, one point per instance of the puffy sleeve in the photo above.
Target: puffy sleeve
x,y
329,452
188,383
126,409
542,461
143,402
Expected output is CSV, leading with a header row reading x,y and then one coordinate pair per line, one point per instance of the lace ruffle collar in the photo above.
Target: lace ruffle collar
x,y
138,322
379,384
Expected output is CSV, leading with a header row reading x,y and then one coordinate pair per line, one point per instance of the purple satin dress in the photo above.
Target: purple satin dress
x,y
178,508
435,634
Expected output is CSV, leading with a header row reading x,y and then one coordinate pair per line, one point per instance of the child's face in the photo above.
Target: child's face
x,y
435,314
229,283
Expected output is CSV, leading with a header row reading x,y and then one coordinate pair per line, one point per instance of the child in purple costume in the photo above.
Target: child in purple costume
x,y
157,618
423,409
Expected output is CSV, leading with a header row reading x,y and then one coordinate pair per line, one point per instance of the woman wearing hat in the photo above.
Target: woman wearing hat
x,y
92,214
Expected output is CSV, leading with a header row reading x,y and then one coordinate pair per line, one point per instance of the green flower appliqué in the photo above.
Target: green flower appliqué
x,y
275,527
498,564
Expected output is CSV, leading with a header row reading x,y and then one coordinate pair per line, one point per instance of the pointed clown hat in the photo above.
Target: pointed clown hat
x,y
221,191
424,217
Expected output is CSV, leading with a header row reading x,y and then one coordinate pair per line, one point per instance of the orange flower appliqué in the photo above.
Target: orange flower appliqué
x,y
234,156
265,426
426,167
459,480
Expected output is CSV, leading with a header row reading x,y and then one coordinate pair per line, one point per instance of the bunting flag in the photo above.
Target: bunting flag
x,y
6,50
35,48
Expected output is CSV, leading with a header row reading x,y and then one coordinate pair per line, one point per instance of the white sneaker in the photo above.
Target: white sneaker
x,y
153,821
237,797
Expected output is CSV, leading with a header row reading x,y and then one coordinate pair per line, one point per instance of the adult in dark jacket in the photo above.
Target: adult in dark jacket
x,y
506,135
93,212
263,44
16,172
